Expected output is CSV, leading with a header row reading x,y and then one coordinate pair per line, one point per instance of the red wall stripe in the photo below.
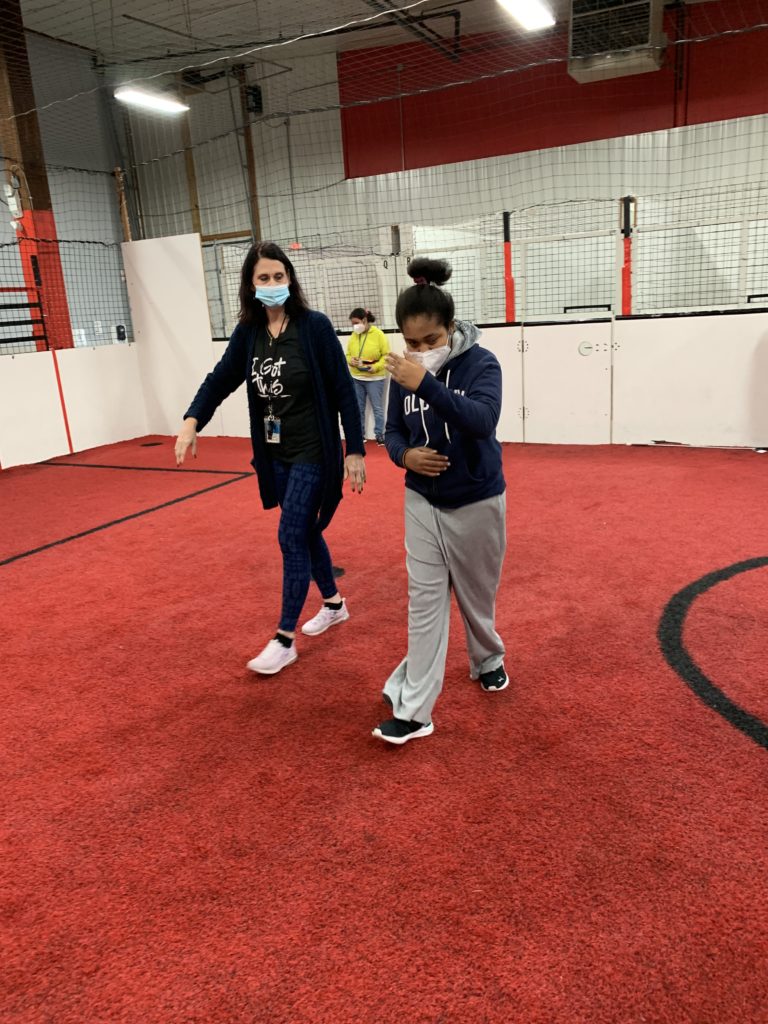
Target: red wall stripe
x,y
61,399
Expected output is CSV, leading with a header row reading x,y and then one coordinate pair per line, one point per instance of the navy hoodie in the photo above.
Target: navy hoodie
x,y
455,413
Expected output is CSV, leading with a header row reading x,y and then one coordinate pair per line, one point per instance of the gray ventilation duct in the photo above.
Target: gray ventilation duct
x,y
615,38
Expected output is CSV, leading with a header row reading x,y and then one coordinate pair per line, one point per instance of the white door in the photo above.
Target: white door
x,y
567,383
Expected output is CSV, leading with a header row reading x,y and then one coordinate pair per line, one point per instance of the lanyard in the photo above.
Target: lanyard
x,y
273,337
266,350
363,340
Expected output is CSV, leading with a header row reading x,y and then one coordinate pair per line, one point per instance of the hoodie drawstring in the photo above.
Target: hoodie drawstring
x,y
447,382
424,423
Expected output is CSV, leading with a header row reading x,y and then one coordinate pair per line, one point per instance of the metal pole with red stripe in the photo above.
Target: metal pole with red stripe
x,y
509,281
626,268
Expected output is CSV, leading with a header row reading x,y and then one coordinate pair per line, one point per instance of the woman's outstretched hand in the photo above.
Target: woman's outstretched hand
x,y
187,438
354,471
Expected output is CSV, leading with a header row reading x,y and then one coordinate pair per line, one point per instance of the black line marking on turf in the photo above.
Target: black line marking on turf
x,y
670,636
143,469
123,519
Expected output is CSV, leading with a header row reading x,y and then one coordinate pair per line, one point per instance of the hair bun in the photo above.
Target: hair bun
x,y
424,270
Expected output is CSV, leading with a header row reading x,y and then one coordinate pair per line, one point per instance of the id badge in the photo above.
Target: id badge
x,y
272,429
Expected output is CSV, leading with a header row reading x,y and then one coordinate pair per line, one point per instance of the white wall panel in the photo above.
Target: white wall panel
x,y
169,306
234,415
692,380
234,410
103,394
505,343
568,383
31,420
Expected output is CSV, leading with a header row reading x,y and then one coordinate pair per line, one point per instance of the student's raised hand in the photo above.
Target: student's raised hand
x,y
405,370
425,461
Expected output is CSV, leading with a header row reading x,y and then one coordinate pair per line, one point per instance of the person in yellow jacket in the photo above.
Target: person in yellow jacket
x,y
366,351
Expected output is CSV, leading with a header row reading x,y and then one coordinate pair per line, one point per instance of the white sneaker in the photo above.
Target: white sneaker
x,y
274,657
326,618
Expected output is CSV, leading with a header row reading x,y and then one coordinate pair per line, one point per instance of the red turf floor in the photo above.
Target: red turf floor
x,y
185,842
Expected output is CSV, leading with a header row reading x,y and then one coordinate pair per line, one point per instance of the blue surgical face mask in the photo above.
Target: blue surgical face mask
x,y
276,295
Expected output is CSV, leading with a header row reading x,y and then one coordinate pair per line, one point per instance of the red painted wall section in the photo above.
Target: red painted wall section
x,y
543,106
728,77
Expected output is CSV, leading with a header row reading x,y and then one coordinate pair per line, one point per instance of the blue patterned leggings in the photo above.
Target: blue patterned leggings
x,y
305,553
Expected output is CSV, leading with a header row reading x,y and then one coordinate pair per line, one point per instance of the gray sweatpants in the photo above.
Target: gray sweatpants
x,y
463,549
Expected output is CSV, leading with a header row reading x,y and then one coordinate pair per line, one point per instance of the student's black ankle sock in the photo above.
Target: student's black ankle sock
x,y
334,605
286,641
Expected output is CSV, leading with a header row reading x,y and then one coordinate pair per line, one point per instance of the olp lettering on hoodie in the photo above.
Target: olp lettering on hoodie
x,y
412,404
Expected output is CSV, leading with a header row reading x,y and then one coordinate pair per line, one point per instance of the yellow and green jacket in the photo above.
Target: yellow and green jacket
x,y
373,345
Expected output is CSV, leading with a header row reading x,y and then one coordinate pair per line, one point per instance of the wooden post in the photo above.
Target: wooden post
x,y
120,187
25,163
189,162
19,131
253,193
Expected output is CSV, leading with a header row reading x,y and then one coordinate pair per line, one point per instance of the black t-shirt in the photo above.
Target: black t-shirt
x,y
282,381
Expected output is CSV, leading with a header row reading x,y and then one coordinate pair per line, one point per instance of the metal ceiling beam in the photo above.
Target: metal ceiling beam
x,y
413,25
417,21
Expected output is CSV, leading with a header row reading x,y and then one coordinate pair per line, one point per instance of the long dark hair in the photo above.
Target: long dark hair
x,y
252,312
426,296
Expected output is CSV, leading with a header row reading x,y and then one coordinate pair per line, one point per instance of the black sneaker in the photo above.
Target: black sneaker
x,y
398,731
380,440
496,679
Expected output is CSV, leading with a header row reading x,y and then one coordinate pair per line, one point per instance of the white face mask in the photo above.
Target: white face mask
x,y
433,359
358,328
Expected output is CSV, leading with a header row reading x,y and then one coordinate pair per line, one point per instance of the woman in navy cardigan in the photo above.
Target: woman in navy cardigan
x,y
298,386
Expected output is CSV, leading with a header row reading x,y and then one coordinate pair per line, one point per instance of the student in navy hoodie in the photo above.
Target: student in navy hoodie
x,y
444,404
298,386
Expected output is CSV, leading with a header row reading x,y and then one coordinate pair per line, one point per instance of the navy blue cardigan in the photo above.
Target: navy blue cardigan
x,y
334,397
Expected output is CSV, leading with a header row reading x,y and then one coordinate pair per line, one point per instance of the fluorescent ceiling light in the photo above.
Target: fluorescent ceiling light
x,y
149,101
530,14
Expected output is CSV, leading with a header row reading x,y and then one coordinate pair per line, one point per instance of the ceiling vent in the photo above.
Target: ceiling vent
x,y
615,38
